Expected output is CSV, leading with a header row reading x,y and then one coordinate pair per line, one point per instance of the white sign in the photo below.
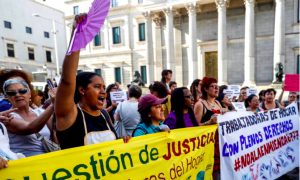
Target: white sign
x,y
252,91
260,146
235,88
57,80
229,93
119,96
239,106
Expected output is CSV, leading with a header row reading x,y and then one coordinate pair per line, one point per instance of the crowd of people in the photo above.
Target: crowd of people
x,y
80,111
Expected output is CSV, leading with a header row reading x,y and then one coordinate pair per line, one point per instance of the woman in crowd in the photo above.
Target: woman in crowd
x,y
243,94
173,86
252,104
225,102
152,114
158,89
206,114
292,97
127,111
166,76
196,90
39,99
80,117
270,102
111,106
28,123
261,96
182,114
6,74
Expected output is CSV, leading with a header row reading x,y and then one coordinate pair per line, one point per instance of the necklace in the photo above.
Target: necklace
x,y
211,105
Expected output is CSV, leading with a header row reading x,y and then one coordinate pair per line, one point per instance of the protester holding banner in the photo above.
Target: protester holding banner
x,y
206,113
111,106
252,104
166,76
182,114
196,90
270,102
76,122
225,102
28,124
152,115
127,111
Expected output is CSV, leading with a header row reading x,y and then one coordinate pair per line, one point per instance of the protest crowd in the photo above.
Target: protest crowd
x,y
80,110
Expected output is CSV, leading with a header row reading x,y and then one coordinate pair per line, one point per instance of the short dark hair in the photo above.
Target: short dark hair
x,y
135,91
160,88
221,88
83,80
270,90
108,89
164,73
172,83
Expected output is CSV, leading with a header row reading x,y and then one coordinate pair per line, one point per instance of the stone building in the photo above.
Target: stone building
x,y
236,41
27,41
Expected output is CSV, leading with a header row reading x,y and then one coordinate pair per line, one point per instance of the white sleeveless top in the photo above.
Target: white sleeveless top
x,y
4,145
28,145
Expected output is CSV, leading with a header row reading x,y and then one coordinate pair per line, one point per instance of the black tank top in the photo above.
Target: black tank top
x,y
74,135
206,117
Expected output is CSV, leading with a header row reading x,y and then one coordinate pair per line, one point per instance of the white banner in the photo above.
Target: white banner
x,y
261,146
252,91
229,93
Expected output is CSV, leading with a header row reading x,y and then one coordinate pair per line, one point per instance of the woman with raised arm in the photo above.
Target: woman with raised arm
x,y
80,117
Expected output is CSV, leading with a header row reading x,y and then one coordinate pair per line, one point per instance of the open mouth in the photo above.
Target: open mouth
x,y
19,100
101,100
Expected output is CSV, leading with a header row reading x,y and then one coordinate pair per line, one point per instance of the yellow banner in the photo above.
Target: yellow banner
x,y
181,154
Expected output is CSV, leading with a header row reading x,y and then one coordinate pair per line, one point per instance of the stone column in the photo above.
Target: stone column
x,y
158,48
279,35
222,42
149,47
249,61
193,60
170,38
178,50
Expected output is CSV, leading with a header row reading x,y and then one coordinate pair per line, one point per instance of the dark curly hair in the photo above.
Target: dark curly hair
x,y
160,88
6,74
83,80
206,82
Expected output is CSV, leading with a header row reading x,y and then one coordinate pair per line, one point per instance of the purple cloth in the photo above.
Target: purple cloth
x,y
171,120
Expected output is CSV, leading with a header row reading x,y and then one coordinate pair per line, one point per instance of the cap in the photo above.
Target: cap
x,y
150,100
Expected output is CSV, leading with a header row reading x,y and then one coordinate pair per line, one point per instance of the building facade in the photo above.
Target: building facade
x,y
27,41
236,41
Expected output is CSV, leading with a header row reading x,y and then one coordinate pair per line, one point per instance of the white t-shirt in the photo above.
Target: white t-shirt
x,y
128,111
4,142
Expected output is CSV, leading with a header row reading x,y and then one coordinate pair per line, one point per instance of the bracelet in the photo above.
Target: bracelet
x,y
205,123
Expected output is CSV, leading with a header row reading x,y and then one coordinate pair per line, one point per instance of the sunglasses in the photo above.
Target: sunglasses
x,y
190,97
214,86
13,93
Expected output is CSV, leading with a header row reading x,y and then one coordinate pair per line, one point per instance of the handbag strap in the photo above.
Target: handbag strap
x,y
84,123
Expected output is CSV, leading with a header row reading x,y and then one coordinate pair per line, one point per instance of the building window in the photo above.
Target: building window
x,y
30,53
144,73
28,30
10,50
76,10
48,56
118,75
140,1
298,64
97,40
116,35
142,32
7,24
46,35
98,71
114,3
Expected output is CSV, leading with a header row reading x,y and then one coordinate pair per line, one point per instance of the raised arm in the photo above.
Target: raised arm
x,y
281,94
65,108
